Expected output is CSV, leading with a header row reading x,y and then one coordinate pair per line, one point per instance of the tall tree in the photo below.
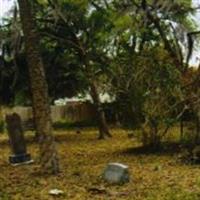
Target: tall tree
x,y
147,33
40,101
84,31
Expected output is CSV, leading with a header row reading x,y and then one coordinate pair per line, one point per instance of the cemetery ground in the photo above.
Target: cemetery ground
x,y
154,176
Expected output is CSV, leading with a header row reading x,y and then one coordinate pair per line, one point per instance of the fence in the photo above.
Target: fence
x,y
72,112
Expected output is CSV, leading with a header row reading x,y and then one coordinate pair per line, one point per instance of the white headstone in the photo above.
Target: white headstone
x,y
116,173
56,192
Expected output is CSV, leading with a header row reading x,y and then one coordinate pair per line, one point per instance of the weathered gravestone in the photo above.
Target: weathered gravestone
x,y
16,139
116,173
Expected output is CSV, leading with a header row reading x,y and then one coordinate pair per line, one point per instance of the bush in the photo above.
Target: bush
x,y
191,155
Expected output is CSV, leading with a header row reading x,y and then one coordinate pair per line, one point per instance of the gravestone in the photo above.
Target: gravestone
x,y
116,173
16,139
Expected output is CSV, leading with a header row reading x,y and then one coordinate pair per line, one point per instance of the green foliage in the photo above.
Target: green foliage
x,y
148,90
42,2
131,49
21,98
123,22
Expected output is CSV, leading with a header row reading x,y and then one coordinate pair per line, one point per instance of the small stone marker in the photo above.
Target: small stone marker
x,y
17,141
116,173
56,192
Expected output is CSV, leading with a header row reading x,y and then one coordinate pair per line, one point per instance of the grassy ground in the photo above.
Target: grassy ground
x,y
82,158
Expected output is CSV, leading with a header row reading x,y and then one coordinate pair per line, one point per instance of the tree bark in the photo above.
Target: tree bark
x,y
1,119
197,138
40,103
103,127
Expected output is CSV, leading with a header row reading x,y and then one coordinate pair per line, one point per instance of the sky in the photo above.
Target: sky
x,y
5,6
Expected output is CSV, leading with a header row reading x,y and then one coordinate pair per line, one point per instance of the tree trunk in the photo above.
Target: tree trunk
x,y
1,112
103,127
41,108
1,119
197,138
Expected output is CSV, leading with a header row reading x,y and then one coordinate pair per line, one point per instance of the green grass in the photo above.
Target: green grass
x,y
154,176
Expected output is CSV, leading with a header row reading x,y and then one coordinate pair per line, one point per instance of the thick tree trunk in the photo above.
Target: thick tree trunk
x,y
1,112
197,138
48,154
103,127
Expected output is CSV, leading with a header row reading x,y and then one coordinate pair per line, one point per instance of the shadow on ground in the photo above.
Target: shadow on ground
x,y
165,149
